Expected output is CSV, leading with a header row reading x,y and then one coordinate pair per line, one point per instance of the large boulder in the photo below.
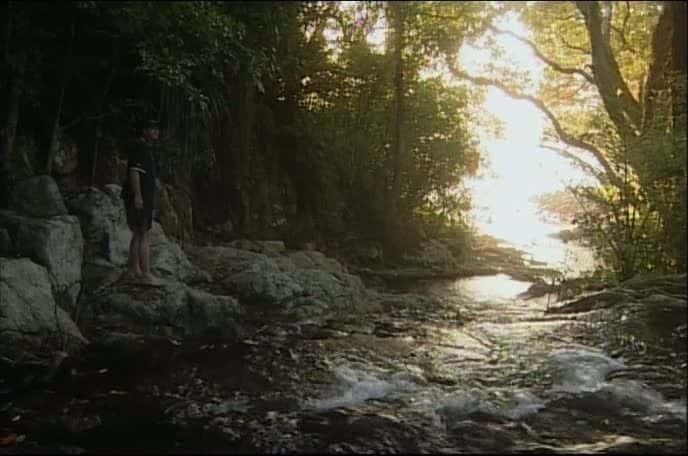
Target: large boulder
x,y
28,312
269,248
304,284
169,260
254,277
222,262
5,242
326,294
263,288
55,243
38,196
103,223
188,311
312,259
165,211
174,210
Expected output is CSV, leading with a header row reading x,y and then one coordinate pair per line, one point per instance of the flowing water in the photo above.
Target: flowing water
x,y
472,369
512,378
476,369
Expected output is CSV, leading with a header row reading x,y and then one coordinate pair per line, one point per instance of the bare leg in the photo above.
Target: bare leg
x,y
134,269
144,253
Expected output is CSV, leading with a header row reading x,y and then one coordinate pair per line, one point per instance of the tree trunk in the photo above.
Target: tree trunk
x,y
9,130
679,124
679,63
288,51
66,71
657,83
623,108
246,123
398,140
99,113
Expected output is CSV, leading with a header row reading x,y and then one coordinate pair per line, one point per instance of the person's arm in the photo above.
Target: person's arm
x,y
136,168
135,179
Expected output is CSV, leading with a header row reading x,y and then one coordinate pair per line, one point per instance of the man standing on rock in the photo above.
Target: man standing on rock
x,y
139,197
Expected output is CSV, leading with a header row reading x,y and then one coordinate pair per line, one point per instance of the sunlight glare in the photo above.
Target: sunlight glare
x,y
518,168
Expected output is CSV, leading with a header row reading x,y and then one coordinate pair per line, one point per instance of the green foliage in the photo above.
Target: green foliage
x,y
638,227
636,220
191,65
348,104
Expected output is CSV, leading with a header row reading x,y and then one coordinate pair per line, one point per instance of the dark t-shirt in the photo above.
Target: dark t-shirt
x,y
141,160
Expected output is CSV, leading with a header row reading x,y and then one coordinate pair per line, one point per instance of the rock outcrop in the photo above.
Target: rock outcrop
x,y
303,284
37,196
103,220
39,228
173,307
29,316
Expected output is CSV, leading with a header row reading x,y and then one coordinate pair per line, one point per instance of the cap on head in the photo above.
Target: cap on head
x,y
146,124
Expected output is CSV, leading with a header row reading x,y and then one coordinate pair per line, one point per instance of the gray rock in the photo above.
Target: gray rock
x,y
55,243
285,264
490,405
227,261
303,292
327,295
341,290
308,308
165,212
473,404
169,260
304,283
190,311
312,259
103,222
38,196
266,288
580,369
98,273
269,248
27,307
107,235
629,396
5,242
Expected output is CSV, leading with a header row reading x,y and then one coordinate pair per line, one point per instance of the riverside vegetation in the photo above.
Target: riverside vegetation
x,y
323,289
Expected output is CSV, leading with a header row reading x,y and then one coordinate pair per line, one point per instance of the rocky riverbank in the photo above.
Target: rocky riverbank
x,y
251,347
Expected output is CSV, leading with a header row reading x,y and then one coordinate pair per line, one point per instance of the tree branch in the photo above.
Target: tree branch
x,y
585,166
622,31
624,42
573,46
563,135
587,76
607,11
624,110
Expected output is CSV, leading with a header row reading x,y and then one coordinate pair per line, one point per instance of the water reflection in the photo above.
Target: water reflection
x,y
538,239
520,225
498,287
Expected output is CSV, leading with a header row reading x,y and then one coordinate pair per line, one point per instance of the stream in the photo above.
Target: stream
x,y
475,370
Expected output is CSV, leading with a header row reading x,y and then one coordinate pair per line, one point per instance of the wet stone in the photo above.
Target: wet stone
x,y
430,386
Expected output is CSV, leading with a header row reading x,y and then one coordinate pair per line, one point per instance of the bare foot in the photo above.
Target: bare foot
x,y
130,276
150,279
